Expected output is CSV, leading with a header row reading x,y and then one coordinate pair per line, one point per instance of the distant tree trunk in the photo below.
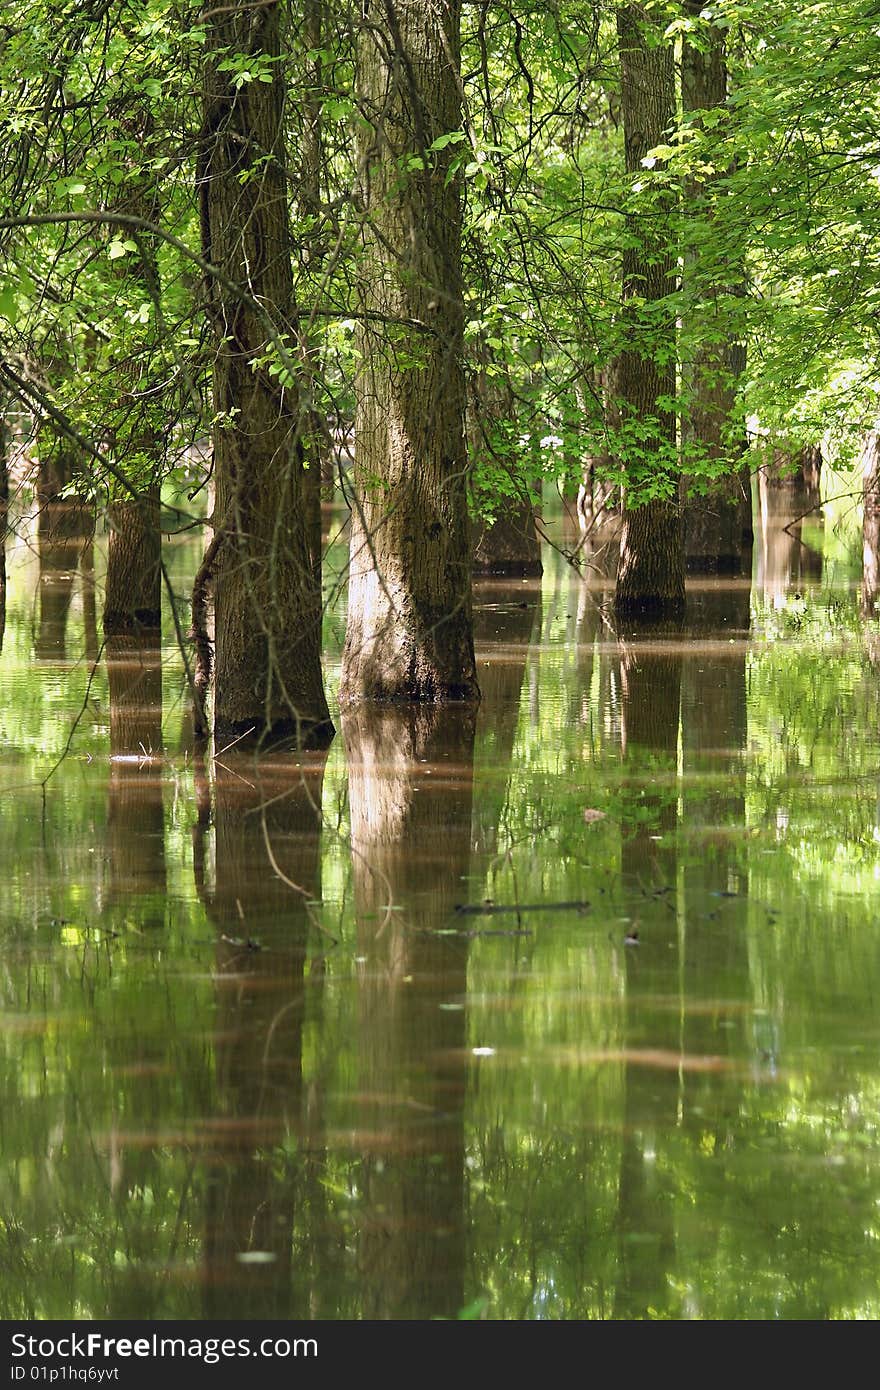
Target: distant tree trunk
x,y
650,578
718,521
870,464
133,591
597,496
410,634
509,543
267,605
310,206
795,471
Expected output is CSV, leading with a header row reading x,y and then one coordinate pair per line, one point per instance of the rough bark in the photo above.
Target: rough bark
x,y
133,586
133,590
650,577
718,532
409,635
267,680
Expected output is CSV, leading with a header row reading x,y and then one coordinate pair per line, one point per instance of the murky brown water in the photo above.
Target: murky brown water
x,y
565,1012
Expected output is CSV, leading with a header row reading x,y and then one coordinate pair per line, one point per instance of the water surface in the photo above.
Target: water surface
x,y
568,1011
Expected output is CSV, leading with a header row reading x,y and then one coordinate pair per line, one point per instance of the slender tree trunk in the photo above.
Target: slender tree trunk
x,y
509,543
650,577
311,209
410,634
267,604
718,521
596,495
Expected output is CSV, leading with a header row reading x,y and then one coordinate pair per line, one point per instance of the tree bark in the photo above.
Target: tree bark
x,y
717,521
409,635
650,577
267,604
133,590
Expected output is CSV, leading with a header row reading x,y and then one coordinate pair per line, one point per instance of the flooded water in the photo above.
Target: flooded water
x,y
569,1012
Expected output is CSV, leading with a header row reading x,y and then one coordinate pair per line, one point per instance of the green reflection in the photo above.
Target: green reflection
x,y
254,1060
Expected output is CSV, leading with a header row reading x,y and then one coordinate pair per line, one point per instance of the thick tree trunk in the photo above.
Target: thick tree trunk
x,y
650,577
718,530
267,604
409,634
133,591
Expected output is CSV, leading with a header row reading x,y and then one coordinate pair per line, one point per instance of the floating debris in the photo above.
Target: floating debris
x,y
488,908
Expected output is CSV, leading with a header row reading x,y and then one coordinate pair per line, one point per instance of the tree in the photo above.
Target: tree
x,y
267,680
650,576
718,517
409,635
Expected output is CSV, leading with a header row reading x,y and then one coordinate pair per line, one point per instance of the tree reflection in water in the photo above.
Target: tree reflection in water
x,y
410,792
258,893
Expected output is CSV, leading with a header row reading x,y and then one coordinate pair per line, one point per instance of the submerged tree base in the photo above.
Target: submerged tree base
x,y
121,621
295,735
649,608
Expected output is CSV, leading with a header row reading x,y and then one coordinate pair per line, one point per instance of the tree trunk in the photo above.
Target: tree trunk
x,y
718,521
650,577
409,635
596,494
267,605
133,592
508,544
